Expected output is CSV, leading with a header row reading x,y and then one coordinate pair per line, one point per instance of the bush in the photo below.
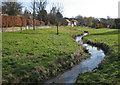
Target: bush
x,y
100,25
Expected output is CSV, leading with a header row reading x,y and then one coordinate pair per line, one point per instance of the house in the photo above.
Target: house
x,y
75,22
69,22
72,22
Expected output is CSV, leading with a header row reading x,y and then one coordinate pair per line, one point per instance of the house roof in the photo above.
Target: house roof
x,y
68,20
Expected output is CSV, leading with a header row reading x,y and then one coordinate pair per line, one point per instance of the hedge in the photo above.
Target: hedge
x,y
4,21
9,21
42,23
24,21
17,21
30,22
37,22
48,24
0,21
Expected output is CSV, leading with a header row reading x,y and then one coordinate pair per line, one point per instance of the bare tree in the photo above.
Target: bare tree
x,y
34,15
56,13
41,5
56,8
0,9
40,9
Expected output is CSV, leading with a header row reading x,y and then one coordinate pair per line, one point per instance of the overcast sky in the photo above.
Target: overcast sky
x,y
94,8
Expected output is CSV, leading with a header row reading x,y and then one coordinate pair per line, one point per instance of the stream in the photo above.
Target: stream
x,y
70,76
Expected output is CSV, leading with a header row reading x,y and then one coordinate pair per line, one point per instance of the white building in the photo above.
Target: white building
x,y
72,22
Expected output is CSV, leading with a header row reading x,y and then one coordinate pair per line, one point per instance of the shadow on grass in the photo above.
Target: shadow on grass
x,y
107,33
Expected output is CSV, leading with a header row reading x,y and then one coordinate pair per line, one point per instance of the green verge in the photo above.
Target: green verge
x,y
37,55
109,70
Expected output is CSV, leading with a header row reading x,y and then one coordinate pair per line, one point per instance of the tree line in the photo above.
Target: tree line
x,y
54,17
98,23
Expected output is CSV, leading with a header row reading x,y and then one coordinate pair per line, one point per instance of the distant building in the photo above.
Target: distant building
x,y
75,22
72,22
69,22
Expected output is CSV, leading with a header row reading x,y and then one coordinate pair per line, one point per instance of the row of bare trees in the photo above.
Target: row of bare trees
x,y
55,16
38,11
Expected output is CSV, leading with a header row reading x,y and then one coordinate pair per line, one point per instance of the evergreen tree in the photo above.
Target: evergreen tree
x,y
11,8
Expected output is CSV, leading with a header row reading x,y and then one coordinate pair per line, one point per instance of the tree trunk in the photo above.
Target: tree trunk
x,y
57,30
34,16
21,28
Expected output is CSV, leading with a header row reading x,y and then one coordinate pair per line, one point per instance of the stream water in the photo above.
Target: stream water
x,y
70,76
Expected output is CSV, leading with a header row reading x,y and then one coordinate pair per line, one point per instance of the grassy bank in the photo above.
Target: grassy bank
x,y
34,56
108,71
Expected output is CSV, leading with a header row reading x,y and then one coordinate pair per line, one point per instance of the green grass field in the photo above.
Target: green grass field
x,y
27,55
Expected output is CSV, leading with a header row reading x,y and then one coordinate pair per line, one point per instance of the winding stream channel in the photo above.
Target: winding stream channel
x,y
70,76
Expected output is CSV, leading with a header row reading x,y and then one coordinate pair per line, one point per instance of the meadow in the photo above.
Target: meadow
x,y
35,55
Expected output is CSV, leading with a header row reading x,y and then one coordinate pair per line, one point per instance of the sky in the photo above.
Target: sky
x,y
86,8
119,10
94,8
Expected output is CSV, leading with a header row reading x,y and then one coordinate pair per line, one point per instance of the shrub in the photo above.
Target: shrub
x,y
100,25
